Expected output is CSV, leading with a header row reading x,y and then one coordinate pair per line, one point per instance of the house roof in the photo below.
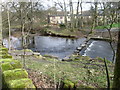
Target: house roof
x,y
84,13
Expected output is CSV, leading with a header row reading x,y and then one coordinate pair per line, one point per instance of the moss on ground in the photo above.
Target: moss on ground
x,y
79,58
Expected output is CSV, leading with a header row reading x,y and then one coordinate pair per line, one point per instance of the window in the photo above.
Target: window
x,y
53,17
61,17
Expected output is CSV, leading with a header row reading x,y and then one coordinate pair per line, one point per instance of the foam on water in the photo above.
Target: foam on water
x,y
88,49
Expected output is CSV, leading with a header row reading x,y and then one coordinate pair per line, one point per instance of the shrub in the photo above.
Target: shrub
x,y
62,25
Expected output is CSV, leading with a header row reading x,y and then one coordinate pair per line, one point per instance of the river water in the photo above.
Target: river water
x,y
62,47
97,48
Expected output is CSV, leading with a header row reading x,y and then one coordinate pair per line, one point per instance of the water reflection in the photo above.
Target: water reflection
x,y
59,47
62,47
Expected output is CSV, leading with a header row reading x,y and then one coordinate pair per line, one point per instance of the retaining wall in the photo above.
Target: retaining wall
x,y
13,75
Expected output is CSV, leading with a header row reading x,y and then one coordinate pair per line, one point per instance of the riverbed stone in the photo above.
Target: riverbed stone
x,y
83,45
76,51
79,48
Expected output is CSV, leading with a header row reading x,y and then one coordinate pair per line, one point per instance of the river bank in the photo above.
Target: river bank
x,y
66,33
77,72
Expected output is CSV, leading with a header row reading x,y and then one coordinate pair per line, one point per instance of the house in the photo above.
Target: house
x,y
60,18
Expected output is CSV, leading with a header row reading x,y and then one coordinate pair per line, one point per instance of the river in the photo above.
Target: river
x,y
62,47
98,48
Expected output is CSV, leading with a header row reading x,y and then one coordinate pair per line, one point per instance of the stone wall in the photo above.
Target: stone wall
x,y
13,75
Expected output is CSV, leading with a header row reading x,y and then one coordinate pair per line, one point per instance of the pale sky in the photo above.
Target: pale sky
x,y
86,6
50,3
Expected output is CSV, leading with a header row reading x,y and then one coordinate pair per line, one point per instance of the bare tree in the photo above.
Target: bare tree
x,y
112,20
65,14
77,13
71,15
81,14
95,14
9,28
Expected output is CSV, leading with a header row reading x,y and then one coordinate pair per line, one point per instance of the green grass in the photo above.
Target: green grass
x,y
63,32
88,73
115,25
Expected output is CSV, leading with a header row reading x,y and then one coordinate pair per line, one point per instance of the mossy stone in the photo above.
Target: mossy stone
x,y
27,50
3,52
21,83
38,56
5,56
4,49
9,65
68,84
14,74
6,60
6,66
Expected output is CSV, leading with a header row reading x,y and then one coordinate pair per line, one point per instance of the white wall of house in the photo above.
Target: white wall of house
x,y
58,19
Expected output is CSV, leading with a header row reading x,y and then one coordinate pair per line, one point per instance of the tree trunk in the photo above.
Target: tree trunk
x,y
96,14
95,21
22,4
116,80
81,15
77,14
71,15
65,15
9,45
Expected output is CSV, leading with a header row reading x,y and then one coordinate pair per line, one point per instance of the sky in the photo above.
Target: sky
x,y
50,3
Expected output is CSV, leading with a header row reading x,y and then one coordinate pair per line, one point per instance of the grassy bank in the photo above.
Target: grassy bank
x,y
115,25
78,71
64,33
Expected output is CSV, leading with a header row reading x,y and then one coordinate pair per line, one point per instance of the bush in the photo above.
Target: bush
x,y
62,25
